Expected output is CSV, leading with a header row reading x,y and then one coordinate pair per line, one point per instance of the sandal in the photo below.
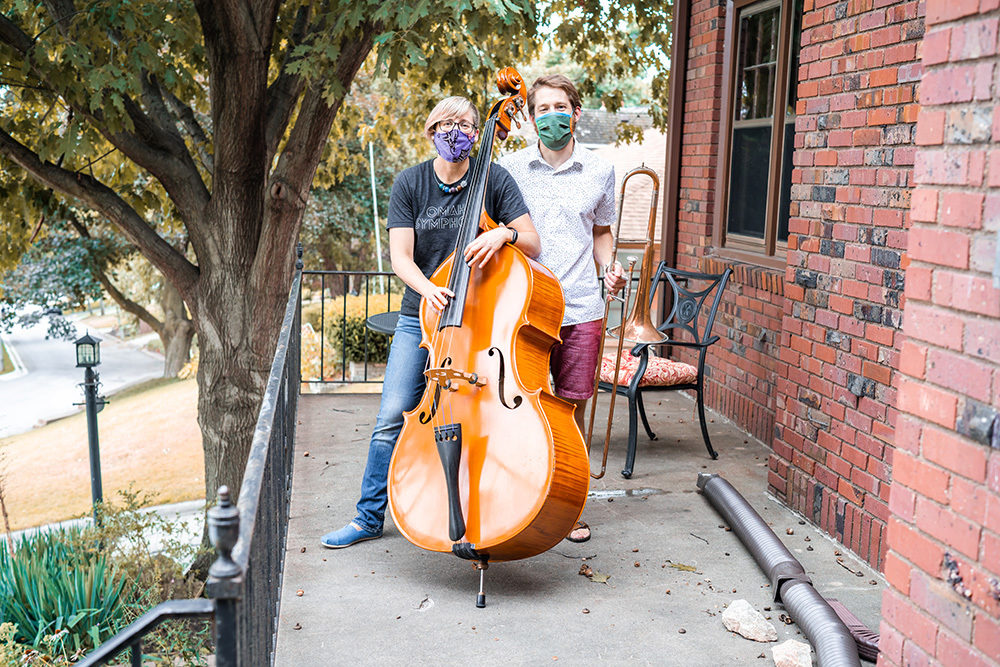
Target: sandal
x,y
580,525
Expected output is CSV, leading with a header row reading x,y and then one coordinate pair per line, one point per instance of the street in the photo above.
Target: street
x,y
48,386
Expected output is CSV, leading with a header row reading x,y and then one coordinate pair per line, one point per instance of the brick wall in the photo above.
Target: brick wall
x,y
943,601
840,342
741,376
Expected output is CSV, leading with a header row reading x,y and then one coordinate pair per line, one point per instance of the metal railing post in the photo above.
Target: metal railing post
x,y
225,578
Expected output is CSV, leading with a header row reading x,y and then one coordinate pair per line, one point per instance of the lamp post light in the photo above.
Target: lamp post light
x,y
88,355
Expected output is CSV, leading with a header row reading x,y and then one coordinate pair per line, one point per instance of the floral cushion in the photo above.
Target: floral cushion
x,y
660,372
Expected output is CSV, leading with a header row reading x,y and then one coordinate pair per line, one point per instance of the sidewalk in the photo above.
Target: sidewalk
x,y
672,565
46,386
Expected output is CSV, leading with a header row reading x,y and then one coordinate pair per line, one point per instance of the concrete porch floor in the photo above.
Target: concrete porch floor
x,y
387,602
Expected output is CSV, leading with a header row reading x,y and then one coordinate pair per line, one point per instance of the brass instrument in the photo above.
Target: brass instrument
x,y
638,327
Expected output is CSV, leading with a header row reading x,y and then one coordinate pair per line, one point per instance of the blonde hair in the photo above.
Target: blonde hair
x,y
449,107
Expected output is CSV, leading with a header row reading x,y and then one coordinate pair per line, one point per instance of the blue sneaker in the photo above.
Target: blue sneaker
x,y
350,534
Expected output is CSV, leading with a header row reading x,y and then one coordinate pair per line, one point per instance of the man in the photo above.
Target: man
x,y
570,193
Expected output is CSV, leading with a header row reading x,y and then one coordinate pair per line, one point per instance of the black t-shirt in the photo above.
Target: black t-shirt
x,y
435,216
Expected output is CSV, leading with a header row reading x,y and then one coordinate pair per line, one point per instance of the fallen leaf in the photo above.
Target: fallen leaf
x,y
637,564
296,627
599,578
586,611
300,592
302,550
682,567
681,631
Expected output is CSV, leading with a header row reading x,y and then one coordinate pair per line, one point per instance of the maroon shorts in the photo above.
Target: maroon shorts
x,y
574,360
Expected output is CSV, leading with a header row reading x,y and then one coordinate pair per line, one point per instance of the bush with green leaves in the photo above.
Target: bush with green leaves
x,y
54,585
65,591
352,335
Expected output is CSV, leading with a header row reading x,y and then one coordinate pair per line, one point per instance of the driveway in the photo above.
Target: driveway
x,y
48,386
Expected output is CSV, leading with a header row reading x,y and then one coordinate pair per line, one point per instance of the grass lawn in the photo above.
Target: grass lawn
x,y
149,437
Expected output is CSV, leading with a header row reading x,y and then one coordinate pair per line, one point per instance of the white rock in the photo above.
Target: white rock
x,y
791,653
741,618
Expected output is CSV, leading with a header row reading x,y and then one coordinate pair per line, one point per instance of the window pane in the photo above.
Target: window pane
x,y
793,61
757,59
786,180
748,180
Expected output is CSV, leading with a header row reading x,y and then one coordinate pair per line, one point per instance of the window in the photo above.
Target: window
x,y
758,135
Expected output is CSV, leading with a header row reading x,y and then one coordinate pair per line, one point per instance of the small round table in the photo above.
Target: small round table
x,y
384,323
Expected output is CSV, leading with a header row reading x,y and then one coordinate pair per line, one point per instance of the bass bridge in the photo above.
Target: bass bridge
x,y
451,378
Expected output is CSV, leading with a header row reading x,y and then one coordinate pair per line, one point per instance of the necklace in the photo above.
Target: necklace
x,y
452,189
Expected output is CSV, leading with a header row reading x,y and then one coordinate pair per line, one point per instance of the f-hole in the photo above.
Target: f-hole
x,y
517,399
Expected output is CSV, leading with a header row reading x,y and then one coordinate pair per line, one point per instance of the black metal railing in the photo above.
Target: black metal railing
x,y
244,583
336,306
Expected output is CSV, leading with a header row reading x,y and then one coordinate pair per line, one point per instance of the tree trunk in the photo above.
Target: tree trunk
x,y
177,331
237,330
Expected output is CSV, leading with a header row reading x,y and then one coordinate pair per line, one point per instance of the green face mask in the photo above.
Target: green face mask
x,y
555,129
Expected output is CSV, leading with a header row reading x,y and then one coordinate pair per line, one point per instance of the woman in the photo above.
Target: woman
x,y
425,214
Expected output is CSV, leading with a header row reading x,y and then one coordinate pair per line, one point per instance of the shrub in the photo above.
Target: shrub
x,y
55,586
66,591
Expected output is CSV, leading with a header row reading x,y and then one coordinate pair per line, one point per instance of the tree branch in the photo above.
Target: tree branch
x,y
152,146
173,265
286,88
126,304
185,114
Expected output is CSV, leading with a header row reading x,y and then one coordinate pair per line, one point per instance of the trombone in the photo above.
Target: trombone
x,y
638,327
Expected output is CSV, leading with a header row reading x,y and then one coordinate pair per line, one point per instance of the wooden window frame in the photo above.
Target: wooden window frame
x,y
768,252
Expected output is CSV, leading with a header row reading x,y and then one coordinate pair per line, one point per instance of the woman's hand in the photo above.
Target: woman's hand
x,y
614,278
437,296
485,246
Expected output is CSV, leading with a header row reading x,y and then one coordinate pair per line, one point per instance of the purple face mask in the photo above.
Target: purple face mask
x,y
453,145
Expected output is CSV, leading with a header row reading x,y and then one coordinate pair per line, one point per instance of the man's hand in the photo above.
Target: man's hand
x,y
485,246
614,278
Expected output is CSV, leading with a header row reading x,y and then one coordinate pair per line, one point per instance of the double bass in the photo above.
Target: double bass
x,y
490,465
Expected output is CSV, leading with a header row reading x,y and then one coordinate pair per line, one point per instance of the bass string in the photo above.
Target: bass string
x,y
460,278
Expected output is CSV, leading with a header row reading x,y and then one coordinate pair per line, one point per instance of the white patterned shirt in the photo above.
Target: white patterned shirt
x,y
566,203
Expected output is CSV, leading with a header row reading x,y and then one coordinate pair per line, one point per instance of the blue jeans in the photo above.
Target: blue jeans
x,y
401,391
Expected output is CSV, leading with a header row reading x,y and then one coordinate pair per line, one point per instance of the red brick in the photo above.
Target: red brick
x,y
913,359
940,602
918,283
910,621
959,373
920,476
936,46
940,167
955,651
982,339
914,546
967,292
986,634
930,128
954,453
962,209
934,325
927,402
956,533
969,500
939,11
949,85
902,502
938,246
974,40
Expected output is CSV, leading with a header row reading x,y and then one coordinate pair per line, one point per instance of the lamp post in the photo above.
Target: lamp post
x,y
88,355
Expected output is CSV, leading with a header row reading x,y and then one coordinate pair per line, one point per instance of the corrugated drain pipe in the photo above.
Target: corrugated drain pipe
x,y
832,640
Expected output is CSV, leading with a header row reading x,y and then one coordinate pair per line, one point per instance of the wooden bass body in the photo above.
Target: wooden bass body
x,y
523,471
